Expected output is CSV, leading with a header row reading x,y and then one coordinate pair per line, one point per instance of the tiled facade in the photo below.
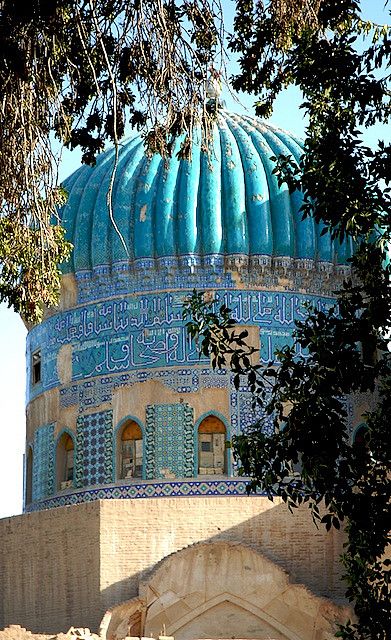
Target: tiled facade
x,y
43,463
145,332
94,459
170,441
123,343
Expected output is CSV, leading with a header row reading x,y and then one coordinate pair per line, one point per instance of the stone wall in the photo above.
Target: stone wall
x,y
69,565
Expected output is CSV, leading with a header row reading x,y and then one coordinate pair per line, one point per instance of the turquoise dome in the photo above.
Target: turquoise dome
x,y
227,203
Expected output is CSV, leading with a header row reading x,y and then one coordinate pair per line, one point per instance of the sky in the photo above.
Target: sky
x,y
286,115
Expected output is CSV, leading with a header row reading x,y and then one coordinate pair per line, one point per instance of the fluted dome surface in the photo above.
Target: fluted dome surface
x,y
225,203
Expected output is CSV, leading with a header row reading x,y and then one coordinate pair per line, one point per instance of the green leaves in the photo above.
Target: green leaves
x,y
82,71
346,187
310,459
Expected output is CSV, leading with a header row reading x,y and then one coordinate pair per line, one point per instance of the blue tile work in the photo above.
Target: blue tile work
x,y
43,462
243,415
146,332
168,489
94,449
149,277
229,202
183,381
208,272
169,440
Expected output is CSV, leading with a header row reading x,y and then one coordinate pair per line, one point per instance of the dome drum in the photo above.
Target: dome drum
x,y
123,405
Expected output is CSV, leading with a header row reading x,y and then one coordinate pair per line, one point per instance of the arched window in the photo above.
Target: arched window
x,y
130,451
29,476
361,447
211,447
360,438
65,461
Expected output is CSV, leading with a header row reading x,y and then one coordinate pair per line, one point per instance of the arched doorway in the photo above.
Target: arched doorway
x,y
129,451
223,589
65,461
211,446
361,447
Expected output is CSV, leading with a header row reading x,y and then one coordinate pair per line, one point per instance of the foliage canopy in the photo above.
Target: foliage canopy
x,y
79,70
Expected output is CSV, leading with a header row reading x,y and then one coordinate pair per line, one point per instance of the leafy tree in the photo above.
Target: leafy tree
x,y
309,458
81,69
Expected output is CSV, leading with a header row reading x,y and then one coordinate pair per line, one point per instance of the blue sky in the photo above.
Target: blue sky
x,y
286,115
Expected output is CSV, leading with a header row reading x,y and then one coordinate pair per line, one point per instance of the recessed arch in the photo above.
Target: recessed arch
x,y
65,459
210,438
129,449
361,445
278,629
247,594
359,434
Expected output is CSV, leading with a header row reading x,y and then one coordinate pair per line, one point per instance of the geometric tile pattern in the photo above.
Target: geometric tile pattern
x,y
243,415
247,415
163,489
169,441
43,462
94,449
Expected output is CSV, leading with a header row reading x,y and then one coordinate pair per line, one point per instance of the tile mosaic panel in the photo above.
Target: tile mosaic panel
x,y
146,332
247,415
94,449
169,441
43,462
170,489
243,415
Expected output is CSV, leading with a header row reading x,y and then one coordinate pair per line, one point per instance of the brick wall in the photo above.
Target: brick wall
x,y
68,565
49,569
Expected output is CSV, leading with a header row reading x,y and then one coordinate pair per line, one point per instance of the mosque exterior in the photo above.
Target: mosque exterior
x,y
132,499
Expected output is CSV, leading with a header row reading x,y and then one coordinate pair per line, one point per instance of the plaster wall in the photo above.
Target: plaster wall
x,y
127,400
68,565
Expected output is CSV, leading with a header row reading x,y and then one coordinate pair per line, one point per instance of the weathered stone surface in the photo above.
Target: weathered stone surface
x,y
224,589
16,632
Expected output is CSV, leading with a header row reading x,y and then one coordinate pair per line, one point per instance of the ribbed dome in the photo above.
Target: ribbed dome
x,y
227,203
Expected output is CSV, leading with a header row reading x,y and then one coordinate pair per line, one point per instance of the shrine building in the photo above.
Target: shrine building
x,y
134,510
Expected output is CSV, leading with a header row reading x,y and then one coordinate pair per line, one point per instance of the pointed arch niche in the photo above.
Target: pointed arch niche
x,y
129,450
65,454
211,439
360,436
